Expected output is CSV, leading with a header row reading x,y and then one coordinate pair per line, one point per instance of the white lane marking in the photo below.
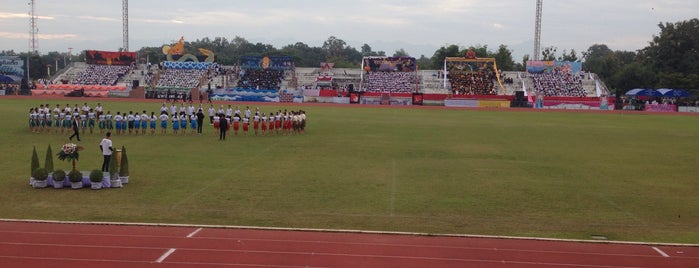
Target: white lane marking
x,y
164,256
190,235
661,252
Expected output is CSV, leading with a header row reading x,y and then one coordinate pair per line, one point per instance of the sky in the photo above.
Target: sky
x,y
418,27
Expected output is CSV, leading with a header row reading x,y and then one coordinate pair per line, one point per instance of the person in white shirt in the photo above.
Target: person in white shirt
x,y
119,123
190,110
163,122
108,121
99,109
106,148
173,109
229,111
212,112
144,122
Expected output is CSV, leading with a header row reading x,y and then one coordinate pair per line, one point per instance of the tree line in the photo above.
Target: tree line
x,y
670,60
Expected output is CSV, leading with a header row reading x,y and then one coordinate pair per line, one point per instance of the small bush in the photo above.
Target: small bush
x,y
75,176
40,174
49,160
35,160
124,163
59,175
96,175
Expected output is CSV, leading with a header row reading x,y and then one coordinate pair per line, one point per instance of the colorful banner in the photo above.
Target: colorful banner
x,y
188,65
390,64
109,57
273,62
567,67
11,69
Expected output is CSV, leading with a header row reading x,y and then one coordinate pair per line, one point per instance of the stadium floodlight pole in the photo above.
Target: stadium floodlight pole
x,y
537,30
33,31
125,24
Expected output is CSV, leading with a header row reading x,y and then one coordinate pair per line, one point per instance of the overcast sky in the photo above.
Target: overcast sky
x,y
419,27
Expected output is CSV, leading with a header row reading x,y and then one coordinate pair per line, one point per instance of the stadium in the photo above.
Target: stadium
x,y
541,158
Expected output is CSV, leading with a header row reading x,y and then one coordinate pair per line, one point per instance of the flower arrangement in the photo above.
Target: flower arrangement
x,y
70,152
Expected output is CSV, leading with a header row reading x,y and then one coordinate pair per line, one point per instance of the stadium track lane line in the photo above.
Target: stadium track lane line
x,y
377,258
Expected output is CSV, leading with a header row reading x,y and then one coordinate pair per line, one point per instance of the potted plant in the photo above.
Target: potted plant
x,y
59,176
34,166
40,175
96,177
76,179
114,179
124,170
48,165
70,152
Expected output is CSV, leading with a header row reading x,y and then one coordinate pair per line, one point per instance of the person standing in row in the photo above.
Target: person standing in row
x,y
200,120
106,148
223,127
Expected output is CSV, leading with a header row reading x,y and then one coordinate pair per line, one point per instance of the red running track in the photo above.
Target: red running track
x,y
40,244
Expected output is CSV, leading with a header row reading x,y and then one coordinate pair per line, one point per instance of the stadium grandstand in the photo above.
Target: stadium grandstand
x,y
389,74
472,76
464,81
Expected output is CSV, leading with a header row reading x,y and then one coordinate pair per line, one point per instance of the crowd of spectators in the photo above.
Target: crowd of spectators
x,y
558,85
180,78
107,75
472,83
394,82
260,79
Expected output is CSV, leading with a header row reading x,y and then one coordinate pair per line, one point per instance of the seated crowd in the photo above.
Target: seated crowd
x,y
101,75
180,78
260,79
472,83
394,82
558,85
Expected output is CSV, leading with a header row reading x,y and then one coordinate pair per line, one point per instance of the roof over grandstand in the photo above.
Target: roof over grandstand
x,y
419,27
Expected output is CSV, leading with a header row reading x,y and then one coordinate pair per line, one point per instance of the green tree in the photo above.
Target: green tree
x,y
424,62
442,53
572,56
549,53
599,59
334,46
503,57
676,48
401,53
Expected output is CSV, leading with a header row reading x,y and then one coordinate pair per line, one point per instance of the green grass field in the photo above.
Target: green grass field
x,y
545,174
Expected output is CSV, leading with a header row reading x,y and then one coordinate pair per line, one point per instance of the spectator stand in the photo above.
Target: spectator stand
x,y
261,80
471,76
388,80
11,74
99,78
179,78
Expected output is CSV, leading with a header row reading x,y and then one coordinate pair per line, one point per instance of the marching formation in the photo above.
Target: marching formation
x,y
172,120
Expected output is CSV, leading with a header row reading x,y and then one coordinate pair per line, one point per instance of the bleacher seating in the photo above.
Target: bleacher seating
x,y
558,85
261,79
107,75
472,83
180,78
393,82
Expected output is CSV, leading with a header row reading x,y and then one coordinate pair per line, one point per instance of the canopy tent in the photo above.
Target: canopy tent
x,y
642,92
673,93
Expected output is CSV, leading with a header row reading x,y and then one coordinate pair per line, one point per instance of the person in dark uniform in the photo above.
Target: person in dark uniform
x,y
200,120
76,126
223,127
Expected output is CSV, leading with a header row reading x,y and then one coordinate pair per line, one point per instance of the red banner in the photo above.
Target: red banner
x,y
109,57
